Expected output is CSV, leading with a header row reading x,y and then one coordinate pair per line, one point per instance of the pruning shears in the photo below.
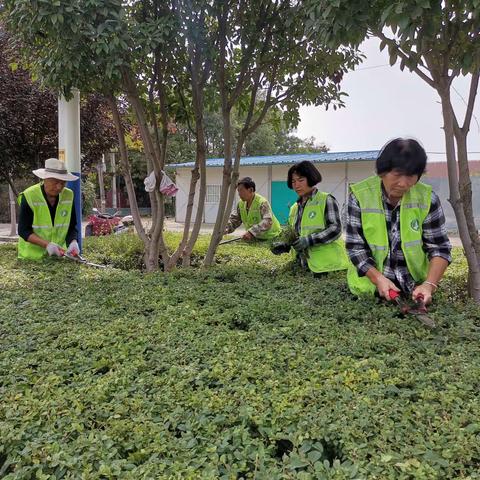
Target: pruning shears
x,y
236,239
419,310
78,258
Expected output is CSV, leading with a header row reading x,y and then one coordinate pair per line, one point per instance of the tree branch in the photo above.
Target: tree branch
x,y
403,55
471,101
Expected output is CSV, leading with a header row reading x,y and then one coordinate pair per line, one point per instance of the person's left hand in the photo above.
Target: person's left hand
x,y
424,289
247,236
73,249
301,244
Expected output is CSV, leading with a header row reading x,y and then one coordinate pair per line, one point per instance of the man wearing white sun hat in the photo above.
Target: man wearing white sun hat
x,y
47,220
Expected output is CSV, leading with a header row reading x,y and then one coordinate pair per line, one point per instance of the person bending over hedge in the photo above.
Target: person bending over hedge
x,y
315,217
395,233
47,220
254,212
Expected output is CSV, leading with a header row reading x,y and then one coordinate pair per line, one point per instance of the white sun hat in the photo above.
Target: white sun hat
x,y
54,168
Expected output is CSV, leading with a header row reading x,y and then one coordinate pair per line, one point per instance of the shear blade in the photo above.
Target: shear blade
x,y
425,319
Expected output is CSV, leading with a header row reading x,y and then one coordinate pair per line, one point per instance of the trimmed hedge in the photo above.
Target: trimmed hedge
x,y
243,370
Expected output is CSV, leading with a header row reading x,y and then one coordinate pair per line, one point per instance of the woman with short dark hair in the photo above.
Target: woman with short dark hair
x,y
396,235
315,217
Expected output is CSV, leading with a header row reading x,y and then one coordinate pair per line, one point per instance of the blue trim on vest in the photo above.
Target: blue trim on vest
x,y
76,186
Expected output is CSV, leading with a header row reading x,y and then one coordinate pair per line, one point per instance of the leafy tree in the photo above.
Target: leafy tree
x,y
176,60
29,125
267,140
130,52
28,120
261,142
264,61
438,41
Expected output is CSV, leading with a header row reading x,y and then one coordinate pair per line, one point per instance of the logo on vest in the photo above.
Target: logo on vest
x,y
63,213
415,225
312,215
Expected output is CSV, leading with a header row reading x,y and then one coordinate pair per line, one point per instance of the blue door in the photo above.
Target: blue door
x,y
282,199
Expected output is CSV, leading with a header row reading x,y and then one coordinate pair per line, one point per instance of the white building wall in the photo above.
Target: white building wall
x,y
260,176
336,177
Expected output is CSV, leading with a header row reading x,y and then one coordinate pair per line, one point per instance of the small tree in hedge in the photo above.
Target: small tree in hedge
x,y
439,41
263,60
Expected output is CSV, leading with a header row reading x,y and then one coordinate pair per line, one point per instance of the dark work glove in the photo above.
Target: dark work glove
x,y
278,248
301,244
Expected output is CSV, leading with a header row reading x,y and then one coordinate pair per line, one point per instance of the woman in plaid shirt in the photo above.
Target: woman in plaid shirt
x,y
395,230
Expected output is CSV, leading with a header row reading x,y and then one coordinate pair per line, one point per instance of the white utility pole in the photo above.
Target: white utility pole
x,y
69,148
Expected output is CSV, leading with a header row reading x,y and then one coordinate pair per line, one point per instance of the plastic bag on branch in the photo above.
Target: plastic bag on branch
x,y
167,186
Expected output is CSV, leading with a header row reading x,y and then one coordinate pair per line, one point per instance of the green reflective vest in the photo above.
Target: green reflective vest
x,y
414,208
324,257
253,217
42,221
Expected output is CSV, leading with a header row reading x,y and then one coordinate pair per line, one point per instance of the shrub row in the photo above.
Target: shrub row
x,y
243,370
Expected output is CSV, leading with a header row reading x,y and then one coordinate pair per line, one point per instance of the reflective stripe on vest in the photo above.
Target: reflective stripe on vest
x,y
324,257
42,221
254,217
414,208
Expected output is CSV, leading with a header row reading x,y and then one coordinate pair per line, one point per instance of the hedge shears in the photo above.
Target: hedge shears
x,y
236,239
78,258
419,310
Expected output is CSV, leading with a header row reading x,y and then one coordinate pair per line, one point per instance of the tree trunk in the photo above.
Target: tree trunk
x,y
201,155
465,188
235,174
13,211
157,246
455,197
217,233
227,134
125,170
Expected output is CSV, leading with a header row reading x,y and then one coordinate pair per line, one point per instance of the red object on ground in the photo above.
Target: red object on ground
x,y
103,226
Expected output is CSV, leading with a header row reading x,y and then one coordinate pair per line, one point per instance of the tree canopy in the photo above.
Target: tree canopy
x,y
29,121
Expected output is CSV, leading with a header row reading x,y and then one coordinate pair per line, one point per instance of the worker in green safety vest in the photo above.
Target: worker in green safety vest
x,y
47,220
254,212
395,227
315,218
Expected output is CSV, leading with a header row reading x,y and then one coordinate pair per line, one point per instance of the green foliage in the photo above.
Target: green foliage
x,y
266,140
88,193
242,370
446,32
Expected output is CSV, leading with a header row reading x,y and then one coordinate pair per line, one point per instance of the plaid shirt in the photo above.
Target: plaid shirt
x,y
333,225
235,220
434,236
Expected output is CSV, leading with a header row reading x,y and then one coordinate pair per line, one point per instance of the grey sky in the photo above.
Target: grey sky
x,y
385,103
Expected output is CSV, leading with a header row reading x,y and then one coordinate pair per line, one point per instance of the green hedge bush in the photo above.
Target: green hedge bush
x,y
243,370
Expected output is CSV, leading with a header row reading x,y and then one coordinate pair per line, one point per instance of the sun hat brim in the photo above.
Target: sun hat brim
x,y
43,173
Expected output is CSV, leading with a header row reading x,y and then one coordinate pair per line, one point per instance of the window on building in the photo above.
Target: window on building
x,y
213,194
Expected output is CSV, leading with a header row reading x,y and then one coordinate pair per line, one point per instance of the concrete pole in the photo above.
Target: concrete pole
x,y
101,183
13,212
114,182
69,148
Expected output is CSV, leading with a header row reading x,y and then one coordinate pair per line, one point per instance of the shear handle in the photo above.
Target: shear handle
x,y
393,294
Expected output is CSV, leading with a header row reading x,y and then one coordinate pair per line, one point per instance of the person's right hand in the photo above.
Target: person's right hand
x,y
384,285
55,250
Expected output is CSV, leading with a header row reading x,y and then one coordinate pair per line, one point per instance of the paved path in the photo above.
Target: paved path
x,y
170,225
